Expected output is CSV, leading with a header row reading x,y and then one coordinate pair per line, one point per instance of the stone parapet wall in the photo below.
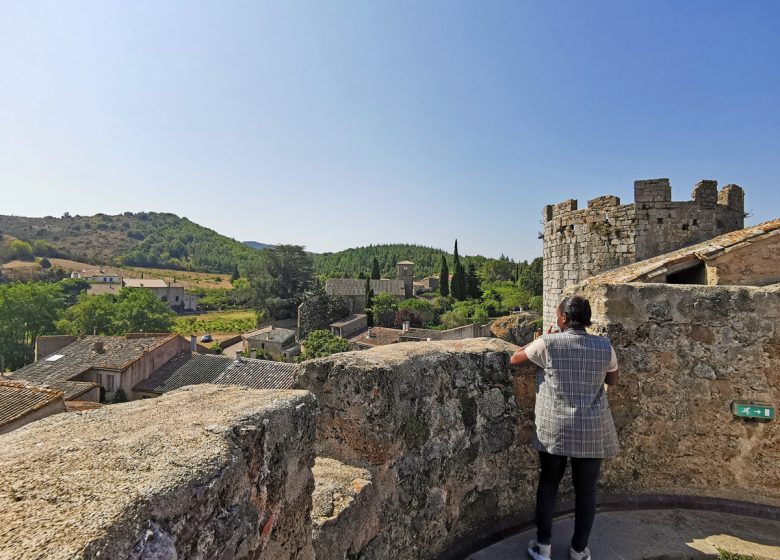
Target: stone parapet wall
x,y
579,243
685,353
203,472
420,446
433,442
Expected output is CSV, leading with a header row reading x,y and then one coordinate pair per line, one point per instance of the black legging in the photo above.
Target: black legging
x,y
585,473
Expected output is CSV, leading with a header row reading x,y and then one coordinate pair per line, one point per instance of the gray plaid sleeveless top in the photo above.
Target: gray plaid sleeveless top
x,y
572,412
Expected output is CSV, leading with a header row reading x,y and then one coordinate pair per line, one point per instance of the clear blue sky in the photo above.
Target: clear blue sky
x,y
338,124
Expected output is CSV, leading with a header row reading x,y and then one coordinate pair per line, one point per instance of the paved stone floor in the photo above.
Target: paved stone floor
x,y
656,535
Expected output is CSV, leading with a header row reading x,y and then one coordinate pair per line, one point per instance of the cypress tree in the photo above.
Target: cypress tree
x,y
235,276
375,273
369,302
444,278
460,275
455,286
472,283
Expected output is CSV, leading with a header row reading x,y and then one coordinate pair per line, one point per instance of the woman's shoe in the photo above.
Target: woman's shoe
x,y
574,555
539,551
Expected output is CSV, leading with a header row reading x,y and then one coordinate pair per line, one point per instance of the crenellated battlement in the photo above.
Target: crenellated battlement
x,y
649,192
581,242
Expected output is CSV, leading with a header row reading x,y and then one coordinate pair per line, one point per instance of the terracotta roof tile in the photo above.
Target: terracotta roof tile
x,y
57,370
17,399
189,369
380,336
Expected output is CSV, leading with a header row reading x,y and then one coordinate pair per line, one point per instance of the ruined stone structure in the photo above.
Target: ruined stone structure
x,y
579,243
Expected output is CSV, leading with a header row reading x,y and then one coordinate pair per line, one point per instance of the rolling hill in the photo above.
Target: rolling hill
x,y
147,239
167,241
351,262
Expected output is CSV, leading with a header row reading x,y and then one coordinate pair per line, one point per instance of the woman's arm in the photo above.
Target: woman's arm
x,y
612,377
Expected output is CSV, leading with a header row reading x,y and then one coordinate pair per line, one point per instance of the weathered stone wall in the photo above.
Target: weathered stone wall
x,y
685,353
418,445
204,472
755,264
606,234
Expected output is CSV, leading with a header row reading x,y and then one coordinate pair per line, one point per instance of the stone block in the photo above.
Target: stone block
x,y
650,191
733,197
224,471
705,192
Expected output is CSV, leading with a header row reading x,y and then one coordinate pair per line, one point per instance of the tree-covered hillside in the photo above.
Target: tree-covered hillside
x,y
148,239
351,262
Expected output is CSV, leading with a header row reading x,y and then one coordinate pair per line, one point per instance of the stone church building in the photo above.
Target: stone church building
x,y
353,290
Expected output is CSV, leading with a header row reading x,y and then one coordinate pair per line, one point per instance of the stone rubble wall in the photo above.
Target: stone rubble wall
x,y
579,243
204,472
685,353
418,444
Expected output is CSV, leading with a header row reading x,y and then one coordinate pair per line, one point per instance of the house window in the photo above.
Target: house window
x,y
99,379
177,299
110,383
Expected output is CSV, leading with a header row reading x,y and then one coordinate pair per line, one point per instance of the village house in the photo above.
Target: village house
x,y
22,403
97,277
194,369
171,293
278,342
350,326
94,368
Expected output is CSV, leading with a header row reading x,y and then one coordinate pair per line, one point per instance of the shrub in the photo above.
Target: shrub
x,y
322,343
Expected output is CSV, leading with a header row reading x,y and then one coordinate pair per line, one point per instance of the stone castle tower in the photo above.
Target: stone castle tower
x,y
605,235
406,273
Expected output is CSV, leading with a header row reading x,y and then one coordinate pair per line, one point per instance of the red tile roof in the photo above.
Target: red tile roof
x,y
18,399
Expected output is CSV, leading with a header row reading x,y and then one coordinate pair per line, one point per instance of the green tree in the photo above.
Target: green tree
x,y
45,263
375,272
369,302
89,315
455,283
318,309
278,280
235,275
472,283
422,308
322,343
498,269
455,318
27,310
458,284
140,310
71,289
132,310
383,309
531,279
444,278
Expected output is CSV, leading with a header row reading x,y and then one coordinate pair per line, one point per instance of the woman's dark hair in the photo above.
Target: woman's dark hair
x,y
576,309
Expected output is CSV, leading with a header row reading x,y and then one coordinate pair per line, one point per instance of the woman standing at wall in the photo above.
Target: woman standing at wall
x,y
573,420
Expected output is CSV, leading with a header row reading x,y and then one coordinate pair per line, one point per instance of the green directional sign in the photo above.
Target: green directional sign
x,y
753,410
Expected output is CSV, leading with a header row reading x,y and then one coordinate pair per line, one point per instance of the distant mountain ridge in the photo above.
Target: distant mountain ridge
x,y
165,240
147,239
